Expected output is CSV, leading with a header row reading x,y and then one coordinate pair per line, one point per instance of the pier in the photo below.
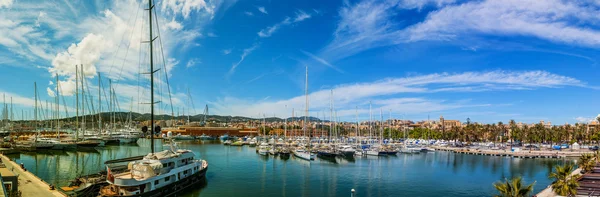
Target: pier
x,y
29,184
521,154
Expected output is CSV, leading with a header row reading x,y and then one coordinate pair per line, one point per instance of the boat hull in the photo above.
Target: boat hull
x,y
175,188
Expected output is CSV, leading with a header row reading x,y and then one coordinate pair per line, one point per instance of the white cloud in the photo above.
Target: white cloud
x,y
300,16
211,34
245,53
226,51
262,9
192,62
582,119
50,92
5,3
186,7
390,93
248,13
369,24
174,25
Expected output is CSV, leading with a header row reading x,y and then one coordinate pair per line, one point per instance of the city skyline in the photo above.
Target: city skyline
x,y
459,59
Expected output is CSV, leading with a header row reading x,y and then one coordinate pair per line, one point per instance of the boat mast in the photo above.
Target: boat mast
x,y
381,127
357,127
100,104
77,102
330,115
82,100
306,107
35,111
58,105
150,7
370,121
285,126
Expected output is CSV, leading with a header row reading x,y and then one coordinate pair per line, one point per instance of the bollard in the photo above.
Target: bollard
x,y
353,193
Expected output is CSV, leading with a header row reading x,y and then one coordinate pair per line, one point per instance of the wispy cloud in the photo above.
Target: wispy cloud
x,y
583,119
370,24
226,51
322,61
248,13
245,53
300,16
262,9
390,93
192,62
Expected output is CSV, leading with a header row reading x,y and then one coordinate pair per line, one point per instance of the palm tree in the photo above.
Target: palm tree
x,y
513,188
564,183
586,162
513,129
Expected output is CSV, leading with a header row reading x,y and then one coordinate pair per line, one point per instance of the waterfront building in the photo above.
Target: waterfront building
x,y
10,181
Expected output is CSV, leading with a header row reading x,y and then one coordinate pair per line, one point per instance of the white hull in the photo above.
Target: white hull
x,y
263,152
373,153
304,155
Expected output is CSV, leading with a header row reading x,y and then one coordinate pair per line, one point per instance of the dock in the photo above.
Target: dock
x,y
521,154
29,184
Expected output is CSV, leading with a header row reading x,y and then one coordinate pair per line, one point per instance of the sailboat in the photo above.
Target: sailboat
x,y
302,152
374,150
164,173
90,140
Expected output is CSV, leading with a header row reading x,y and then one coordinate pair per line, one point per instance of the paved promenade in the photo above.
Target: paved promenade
x,y
29,184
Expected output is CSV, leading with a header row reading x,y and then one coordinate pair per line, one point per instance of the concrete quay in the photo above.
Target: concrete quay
x,y
519,154
29,184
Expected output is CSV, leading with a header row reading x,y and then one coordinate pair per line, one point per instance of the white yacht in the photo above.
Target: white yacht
x,y
263,149
346,150
164,172
304,154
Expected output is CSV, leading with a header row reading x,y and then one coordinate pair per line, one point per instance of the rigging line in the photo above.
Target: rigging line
x,y
139,69
90,98
119,47
164,64
63,98
130,37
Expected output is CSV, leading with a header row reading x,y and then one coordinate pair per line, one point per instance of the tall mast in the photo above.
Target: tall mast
x,y
357,126
381,127
285,126
77,102
35,106
306,108
150,6
11,115
82,99
58,105
390,124
370,121
99,104
330,116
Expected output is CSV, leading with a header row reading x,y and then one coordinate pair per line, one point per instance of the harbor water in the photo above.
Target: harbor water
x,y
240,171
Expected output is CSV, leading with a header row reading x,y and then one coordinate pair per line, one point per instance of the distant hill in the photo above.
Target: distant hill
x,y
123,116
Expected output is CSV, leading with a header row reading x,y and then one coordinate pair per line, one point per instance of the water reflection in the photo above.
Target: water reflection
x,y
240,171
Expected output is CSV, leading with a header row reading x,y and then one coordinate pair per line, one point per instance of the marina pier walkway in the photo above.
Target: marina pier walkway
x,y
29,184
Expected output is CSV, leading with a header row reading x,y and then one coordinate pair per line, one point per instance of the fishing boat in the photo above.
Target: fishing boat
x,y
164,173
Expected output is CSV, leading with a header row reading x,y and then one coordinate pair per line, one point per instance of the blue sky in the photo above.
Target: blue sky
x,y
488,61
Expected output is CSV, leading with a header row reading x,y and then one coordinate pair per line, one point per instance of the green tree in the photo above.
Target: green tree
x,y
586,162
564,183
513,188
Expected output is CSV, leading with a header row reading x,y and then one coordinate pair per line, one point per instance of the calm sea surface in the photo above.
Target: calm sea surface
x,y
240,171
